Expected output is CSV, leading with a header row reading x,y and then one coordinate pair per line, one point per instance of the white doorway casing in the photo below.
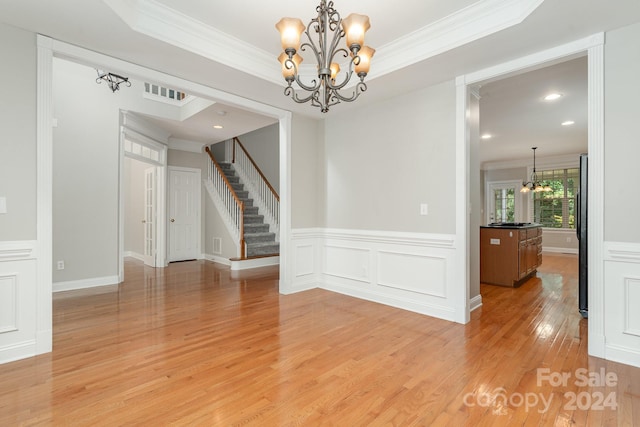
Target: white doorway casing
x,y
593,46
47,48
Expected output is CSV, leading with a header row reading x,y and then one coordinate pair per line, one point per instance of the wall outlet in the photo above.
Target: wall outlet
x,y
424,209
60,265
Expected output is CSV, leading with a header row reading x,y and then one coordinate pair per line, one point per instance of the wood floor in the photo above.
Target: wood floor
x,y
193,345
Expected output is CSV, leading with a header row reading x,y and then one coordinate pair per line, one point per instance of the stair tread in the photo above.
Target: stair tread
x,y
263,244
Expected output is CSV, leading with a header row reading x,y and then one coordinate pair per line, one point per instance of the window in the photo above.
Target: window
x,y
504,200
556,208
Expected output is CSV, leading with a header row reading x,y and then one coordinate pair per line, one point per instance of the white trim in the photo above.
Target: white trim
x,y
20,350
478,20
464,26
217,259
18,250
246,264
475,302
44,195
147,131
185,145
556,162
595,201
134,255
622,252
554,250
593,45
93,282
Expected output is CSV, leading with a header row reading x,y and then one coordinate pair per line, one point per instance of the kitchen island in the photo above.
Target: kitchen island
x,y
510,253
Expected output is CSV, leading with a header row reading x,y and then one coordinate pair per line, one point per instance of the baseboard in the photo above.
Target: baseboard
x,y
571,251
217,259
17,351
620,354
475,302
245,264
134,255
85,283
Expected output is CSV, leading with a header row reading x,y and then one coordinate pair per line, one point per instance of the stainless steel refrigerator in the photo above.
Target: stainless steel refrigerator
x,y
581,230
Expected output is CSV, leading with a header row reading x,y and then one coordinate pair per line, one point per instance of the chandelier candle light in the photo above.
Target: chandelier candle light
x,y
330,29
534,185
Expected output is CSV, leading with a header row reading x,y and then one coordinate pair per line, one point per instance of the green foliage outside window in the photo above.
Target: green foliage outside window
x,y
556,208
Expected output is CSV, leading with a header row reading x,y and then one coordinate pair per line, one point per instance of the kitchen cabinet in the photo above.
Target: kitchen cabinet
x,y
509,254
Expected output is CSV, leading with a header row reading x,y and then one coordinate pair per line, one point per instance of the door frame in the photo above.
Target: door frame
x,y
593,48
48,48
198,200
161,182
488,188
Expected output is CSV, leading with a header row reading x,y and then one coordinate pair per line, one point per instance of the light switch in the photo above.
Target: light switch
x,y
424,209
3,205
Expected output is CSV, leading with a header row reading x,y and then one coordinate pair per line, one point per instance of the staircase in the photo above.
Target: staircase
x,y
258,239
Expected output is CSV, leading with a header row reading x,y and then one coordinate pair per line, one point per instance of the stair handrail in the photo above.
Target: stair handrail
x,y
218,178
266,191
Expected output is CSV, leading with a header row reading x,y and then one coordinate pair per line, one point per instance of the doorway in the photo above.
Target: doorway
x,y
467,185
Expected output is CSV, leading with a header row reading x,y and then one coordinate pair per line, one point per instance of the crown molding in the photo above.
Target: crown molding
x,y
186,145
156,20
551,162
478,20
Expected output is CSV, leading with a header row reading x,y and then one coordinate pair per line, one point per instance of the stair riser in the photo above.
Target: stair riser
x,y
271,237
263,250
254,219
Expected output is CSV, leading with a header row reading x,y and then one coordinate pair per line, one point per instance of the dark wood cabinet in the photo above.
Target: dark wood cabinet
x,y
509,256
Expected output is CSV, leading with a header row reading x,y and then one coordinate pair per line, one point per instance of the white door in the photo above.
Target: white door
x,y
150,217
503,202
184,214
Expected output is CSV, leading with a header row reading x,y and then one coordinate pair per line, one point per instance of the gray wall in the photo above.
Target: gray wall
x,y
307,178
622,149
263,146
384,160
18,143
85,174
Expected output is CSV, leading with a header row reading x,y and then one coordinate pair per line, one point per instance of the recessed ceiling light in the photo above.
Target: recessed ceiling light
x,y
221,113
486,136
568,123
552,96
217,126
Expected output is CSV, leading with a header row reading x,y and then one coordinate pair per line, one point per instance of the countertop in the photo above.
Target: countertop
x,y
512,225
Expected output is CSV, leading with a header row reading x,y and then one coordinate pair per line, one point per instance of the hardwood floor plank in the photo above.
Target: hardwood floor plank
x,y
195,344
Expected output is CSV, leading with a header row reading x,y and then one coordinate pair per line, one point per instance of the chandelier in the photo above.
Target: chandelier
x,y
329,29
113,80
534,185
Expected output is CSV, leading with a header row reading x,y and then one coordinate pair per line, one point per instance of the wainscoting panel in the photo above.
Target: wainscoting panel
x,y
8,303
622,290
17,300
412,271
347,262
305,265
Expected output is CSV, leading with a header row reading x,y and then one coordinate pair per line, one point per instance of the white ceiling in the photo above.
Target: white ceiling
x,y
232,46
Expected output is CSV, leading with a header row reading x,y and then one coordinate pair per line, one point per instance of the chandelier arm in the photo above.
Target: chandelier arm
x,y
348,75
289,91
289,63
360,87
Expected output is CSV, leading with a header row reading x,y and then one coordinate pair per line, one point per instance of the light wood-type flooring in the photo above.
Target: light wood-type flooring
x,y
193,344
